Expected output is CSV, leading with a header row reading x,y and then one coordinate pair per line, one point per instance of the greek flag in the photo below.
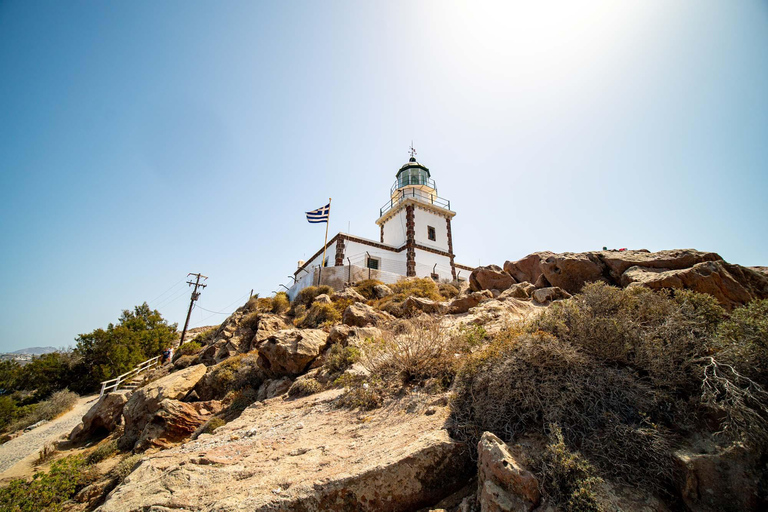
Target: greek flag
x,y
319,215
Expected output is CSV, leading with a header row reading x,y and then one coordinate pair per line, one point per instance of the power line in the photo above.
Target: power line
x,y
166,291
195,295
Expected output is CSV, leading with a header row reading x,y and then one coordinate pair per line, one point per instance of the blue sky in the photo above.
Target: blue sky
x,y
142,140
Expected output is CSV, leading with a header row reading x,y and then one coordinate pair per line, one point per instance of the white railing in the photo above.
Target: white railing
x,y
114,384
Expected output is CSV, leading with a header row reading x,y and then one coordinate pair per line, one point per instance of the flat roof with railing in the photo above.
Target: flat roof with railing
x,y
417,195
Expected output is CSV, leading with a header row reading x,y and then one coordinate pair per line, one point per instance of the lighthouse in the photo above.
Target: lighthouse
x,y
415,240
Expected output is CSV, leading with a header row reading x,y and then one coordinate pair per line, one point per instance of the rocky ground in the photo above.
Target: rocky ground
x,y
287,451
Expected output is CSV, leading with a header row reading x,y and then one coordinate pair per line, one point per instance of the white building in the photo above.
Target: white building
x,y
416,240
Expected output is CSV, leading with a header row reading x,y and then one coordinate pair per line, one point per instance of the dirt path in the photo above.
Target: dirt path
x,y
27,445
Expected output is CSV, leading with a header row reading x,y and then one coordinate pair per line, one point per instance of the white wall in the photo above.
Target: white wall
x,y
424,218
425,262
394,230
390,261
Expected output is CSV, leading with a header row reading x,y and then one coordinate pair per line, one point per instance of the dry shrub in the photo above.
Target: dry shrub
x,y
232,374
424,288
319,315
365,288
59,403
743,341
212,424
304,387
239,399
339,358
103,451
414,351
521,385
308,295
361,393
448,291
46,453
280,303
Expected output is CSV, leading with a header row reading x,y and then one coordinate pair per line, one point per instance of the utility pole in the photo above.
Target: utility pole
x,y
195,296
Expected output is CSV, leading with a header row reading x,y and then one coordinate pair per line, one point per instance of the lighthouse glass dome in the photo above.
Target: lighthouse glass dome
x,y
413,173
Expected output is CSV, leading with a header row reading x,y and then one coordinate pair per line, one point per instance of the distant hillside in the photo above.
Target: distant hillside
x,y
35,351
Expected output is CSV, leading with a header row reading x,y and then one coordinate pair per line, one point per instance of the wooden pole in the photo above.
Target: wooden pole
x,y
322,263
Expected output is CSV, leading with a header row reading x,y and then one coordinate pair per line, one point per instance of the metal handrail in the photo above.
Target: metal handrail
x,y
121,379
407,181
416,195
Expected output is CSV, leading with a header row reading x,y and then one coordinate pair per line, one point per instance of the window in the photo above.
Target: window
x,y
431,233
372,263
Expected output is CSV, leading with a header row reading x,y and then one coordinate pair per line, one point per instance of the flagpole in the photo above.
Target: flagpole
x,y
322,263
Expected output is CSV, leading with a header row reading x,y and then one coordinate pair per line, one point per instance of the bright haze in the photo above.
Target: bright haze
x,y
143,140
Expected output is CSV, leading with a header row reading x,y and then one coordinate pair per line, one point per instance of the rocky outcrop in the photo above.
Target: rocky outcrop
x,y
274,387
304,455
730,288
289,352
491,277
503,484
104,417
570,271
361,315
464,303
528,268
347,335
704,272
322,299
145,402
549,294
173,422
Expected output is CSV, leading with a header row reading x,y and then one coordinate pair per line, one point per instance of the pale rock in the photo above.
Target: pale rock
x,y
416,305
504,485
289,352
571,271
464,303
174,421
382,290
361,315
348,294
522,290
105,416
546,295
145,402
322,299
274,387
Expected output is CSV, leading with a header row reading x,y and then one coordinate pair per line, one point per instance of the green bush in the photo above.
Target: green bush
x,y
743,339
213,424
47,491
365,288
189,348
102,451
232,374
338,358
59,403
280,303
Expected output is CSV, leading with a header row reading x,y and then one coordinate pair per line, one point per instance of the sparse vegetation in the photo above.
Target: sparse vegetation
x,y
59,403
277,304
126,466
338,358
103,451
189,348
319,315
448,291
47,491
46,453
616,377
308,295
424,288
233,374
213,424
365,288
205,337
304,387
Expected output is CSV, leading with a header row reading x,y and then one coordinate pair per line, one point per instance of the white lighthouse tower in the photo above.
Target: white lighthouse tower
x,y
418,220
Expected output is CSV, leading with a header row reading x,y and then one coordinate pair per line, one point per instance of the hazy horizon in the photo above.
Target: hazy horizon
x,y
140,141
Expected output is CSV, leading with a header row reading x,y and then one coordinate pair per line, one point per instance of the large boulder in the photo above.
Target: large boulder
x,y
145,402
464,303
348,294
571,271
289,352
355,336
382,290
304,455
527,269
731,285
675,259
547,295
174,421
416,305
503,484
361,315
522,290
104,417
491,277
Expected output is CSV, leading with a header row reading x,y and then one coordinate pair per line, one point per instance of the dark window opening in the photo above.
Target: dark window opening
x,y
373,264
431,233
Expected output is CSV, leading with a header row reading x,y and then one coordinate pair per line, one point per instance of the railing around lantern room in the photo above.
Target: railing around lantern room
x,y
412,180
415,194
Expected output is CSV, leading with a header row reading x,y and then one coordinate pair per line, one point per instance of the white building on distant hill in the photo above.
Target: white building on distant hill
x,y
416,240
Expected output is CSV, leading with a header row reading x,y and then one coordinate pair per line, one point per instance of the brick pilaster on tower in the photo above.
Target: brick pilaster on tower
x,y
410,241
382,232
339,251
450,246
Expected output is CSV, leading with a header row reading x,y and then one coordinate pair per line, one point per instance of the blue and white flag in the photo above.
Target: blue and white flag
x,y
319,215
